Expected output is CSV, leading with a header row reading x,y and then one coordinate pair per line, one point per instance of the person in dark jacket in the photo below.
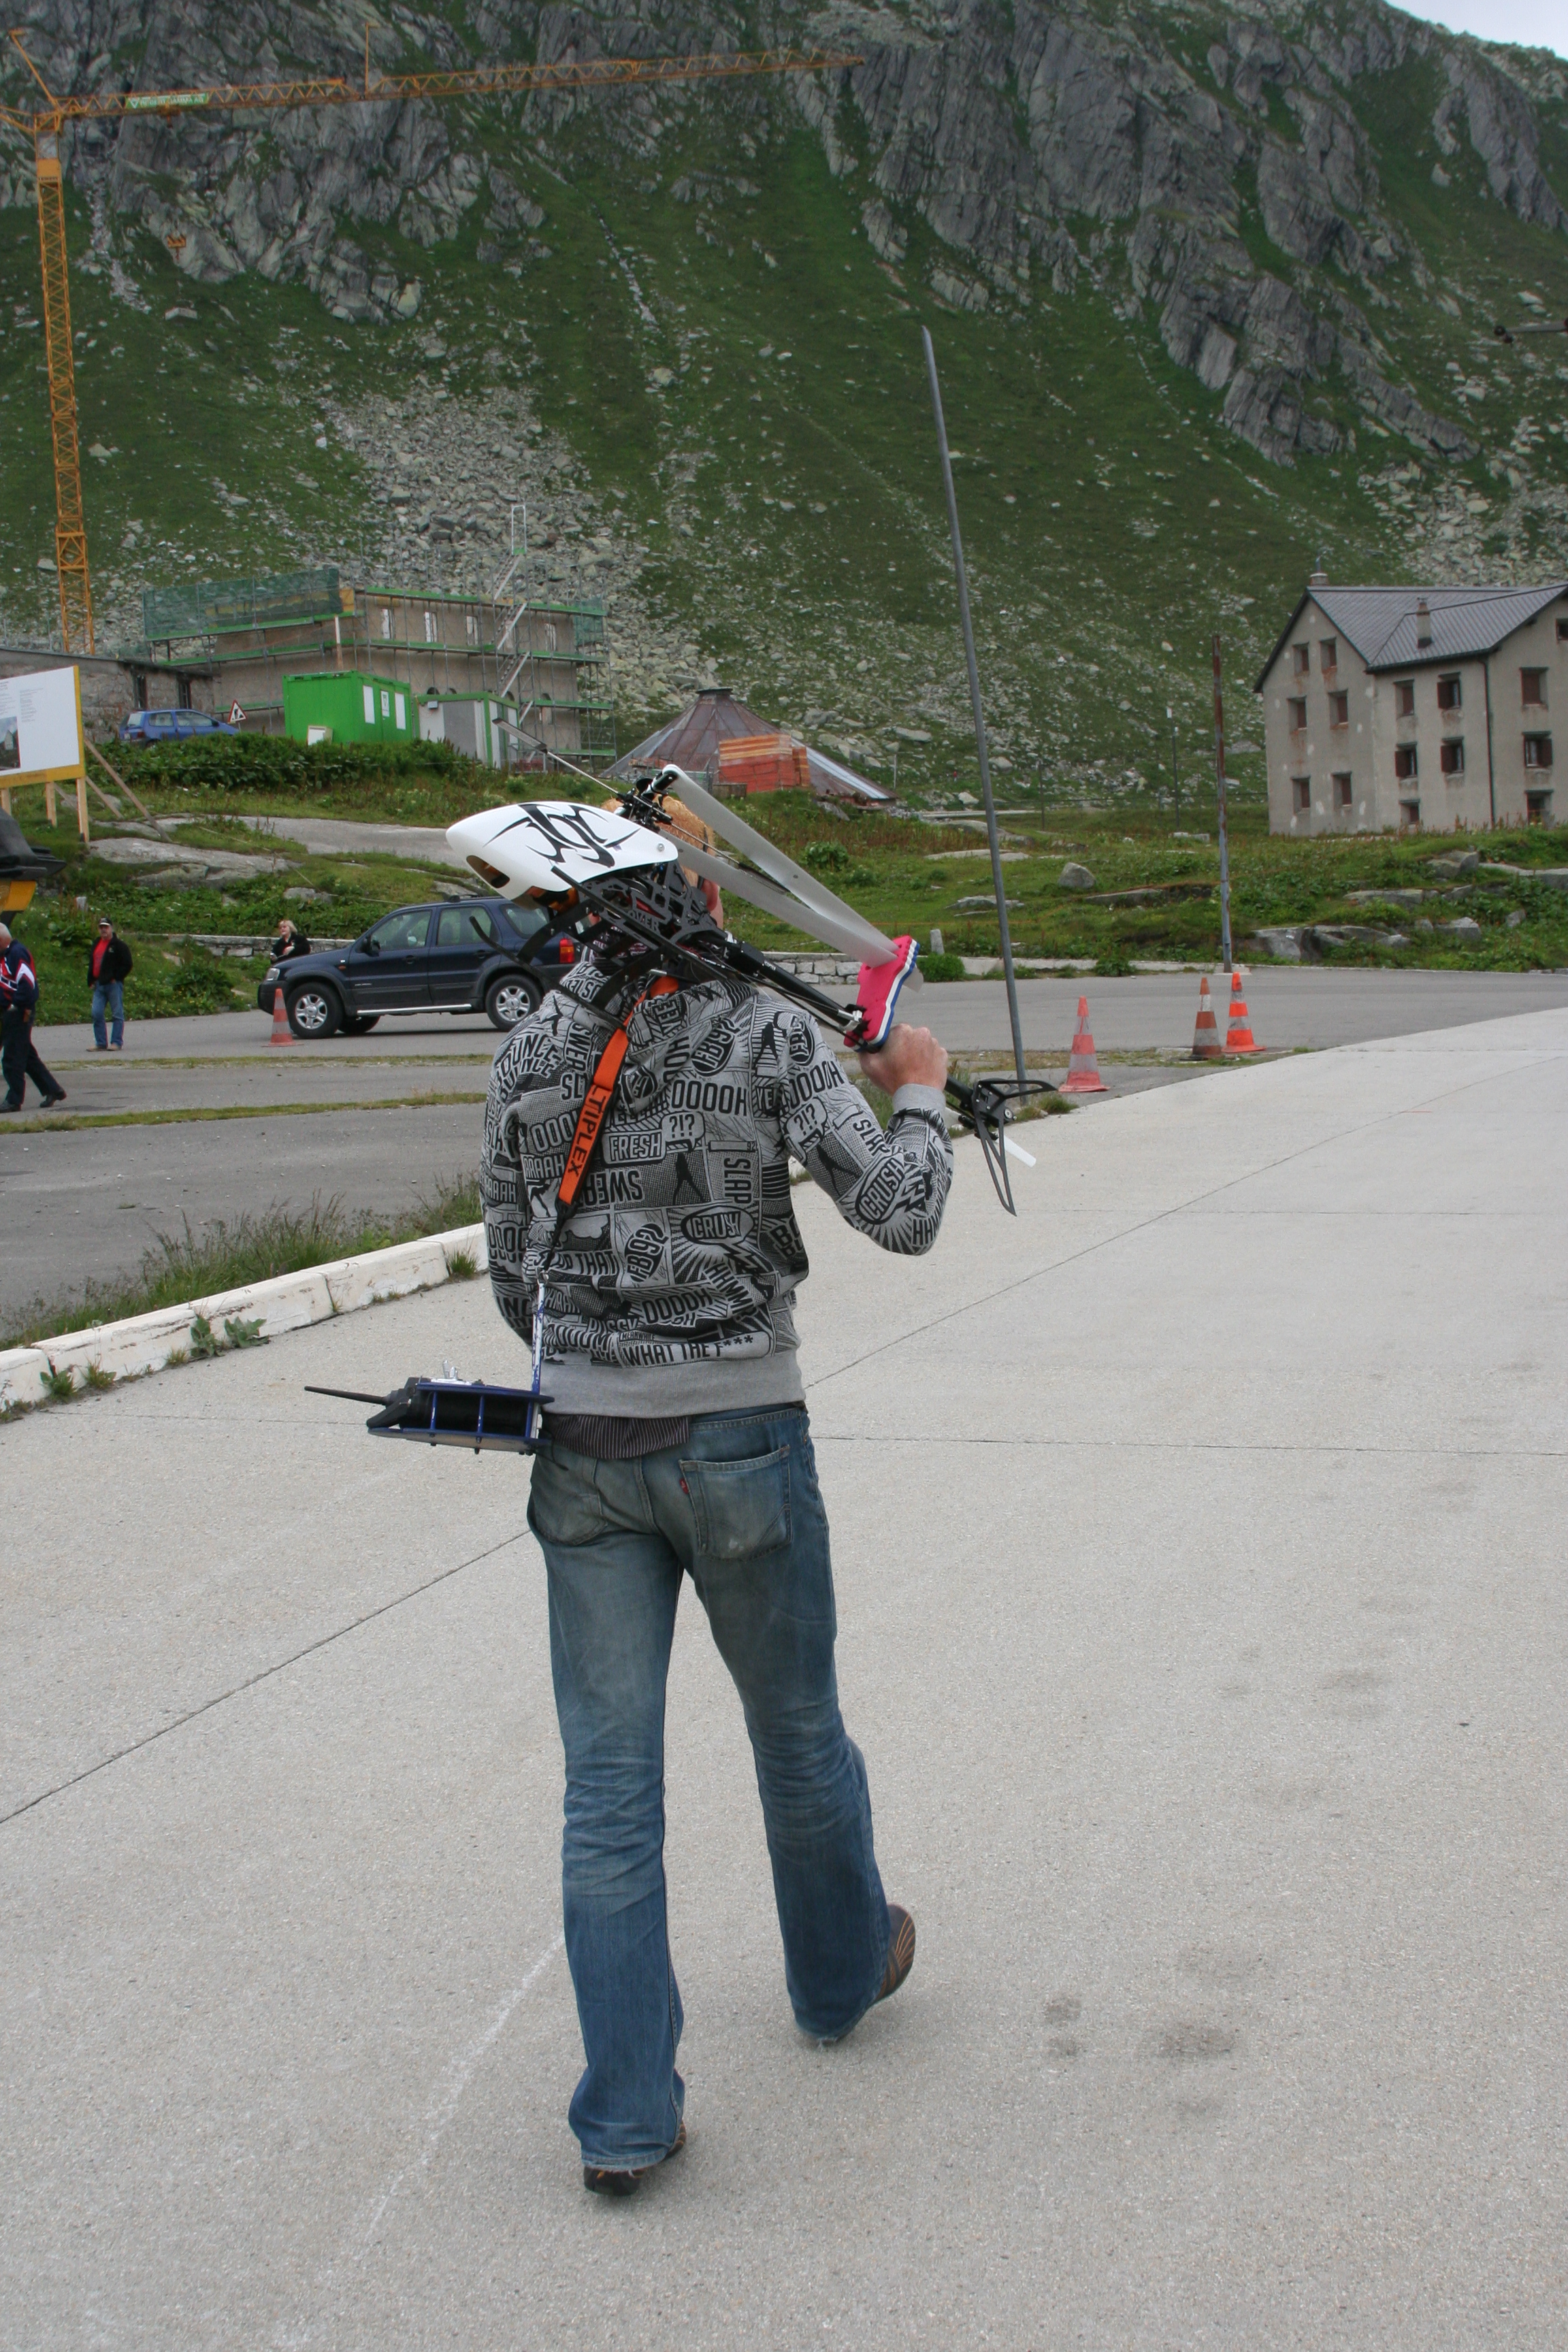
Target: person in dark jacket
x,y
19,1002
107,969
290,943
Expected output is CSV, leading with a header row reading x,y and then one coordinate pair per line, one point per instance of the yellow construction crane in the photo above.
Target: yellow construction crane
x,y
44,128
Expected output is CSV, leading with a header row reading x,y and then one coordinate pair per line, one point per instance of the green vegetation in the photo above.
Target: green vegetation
x,y
1157,898
1156,895
223,1255
782,480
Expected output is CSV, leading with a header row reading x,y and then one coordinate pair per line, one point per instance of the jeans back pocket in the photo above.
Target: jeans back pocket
x,y
741,1509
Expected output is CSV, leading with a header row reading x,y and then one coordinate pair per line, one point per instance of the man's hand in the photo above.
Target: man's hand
x,y
911,1058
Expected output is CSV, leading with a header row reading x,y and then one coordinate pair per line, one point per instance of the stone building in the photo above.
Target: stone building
x,y
1388,707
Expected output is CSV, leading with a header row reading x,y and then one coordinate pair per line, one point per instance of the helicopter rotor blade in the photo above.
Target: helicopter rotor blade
x,y
850,937
872,946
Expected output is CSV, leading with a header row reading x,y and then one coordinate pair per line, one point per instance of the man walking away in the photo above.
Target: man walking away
x,y
19,1002
107,968
678,1445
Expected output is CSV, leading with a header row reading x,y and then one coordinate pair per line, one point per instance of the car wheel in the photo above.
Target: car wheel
x,y
314,1010
360,1025
511,999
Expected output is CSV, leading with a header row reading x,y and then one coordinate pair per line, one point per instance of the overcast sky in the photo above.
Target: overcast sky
x,y
1534,24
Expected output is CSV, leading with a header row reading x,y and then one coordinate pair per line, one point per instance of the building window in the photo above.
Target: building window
x,y
1343,788
1297,706
1533,689
1538,750
551,639
1409,812
429,628
1451,757
1450,693
1339,710
1328,655
1538,807
1302,795
473,626
1404,760
1562,633
386,620
1303,659
1405,697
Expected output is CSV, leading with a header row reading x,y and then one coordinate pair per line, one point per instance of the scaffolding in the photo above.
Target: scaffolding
x,y
238,639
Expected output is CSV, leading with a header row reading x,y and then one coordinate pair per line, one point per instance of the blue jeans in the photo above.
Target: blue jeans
x,y
737,1508
113,994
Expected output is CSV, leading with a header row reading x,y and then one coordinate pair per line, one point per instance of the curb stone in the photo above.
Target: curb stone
x,y
288,1302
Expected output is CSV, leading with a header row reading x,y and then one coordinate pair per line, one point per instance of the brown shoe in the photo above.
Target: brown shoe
x,y
605,2183
901,1950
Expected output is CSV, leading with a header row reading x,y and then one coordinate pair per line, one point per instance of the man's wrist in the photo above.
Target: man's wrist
x,y
912,1096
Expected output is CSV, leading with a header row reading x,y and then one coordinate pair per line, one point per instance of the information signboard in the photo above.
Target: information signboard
x,y
40,727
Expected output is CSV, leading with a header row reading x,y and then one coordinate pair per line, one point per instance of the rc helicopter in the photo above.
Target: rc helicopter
x,y
618,874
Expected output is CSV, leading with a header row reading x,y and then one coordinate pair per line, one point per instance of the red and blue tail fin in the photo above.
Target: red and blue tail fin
x,y
877,996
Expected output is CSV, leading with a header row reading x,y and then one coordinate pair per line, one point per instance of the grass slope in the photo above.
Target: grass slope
x,y
740,372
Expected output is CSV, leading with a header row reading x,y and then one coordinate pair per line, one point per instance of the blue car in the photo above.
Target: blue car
x,y
170,726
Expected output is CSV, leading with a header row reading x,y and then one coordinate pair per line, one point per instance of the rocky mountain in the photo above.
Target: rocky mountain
x,y
1213,291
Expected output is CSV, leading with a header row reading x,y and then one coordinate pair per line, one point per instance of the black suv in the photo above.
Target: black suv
x,y
462,955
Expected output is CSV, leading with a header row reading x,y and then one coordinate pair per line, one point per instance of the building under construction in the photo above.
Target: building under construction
x,y
534,677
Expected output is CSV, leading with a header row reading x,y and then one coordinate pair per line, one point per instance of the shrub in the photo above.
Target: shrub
x,y
274,763
940,967
202,984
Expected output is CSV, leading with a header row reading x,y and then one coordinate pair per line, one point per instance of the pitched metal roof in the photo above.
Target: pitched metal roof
x,y
1381,623
693,741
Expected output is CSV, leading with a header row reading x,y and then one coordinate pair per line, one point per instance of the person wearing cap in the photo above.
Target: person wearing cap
x,y
19,1059
677,1445
107,969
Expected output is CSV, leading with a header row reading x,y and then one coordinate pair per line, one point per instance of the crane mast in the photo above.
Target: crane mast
x,y
45,125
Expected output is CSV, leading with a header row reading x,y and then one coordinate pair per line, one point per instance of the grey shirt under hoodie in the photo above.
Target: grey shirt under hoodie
x,y
673,1287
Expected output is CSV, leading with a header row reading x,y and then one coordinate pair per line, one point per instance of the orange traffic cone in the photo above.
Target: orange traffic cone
x,y
1207,1047
1083,1071
1239,1037
281,1034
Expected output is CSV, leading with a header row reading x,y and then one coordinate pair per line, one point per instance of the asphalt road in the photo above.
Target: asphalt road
x,y
86,1202
332,836
1291,1006
1198,1546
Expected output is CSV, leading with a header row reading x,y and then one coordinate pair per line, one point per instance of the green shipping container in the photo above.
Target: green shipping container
x,y
345,706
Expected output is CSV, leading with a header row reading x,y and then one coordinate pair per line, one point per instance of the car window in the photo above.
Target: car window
x,y
465,927
526,922
406,930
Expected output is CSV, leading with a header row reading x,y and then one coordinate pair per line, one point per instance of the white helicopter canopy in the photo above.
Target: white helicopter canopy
x,y
554,846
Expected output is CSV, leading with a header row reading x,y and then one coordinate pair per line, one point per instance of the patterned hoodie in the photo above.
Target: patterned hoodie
x,y
673,1287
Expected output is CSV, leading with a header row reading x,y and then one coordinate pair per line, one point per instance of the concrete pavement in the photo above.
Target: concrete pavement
x,y
1199,1551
